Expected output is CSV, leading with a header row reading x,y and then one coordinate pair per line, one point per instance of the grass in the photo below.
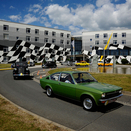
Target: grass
x,y
5,65
15,119
122,80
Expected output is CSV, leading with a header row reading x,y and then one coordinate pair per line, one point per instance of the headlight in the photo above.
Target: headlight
x,y
103,95
15,69
120,91
27,69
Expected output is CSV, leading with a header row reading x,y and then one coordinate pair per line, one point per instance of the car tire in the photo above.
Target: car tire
x,y
88,103
49,92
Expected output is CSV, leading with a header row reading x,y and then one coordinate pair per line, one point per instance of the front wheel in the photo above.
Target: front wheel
x,y
49,92
89,103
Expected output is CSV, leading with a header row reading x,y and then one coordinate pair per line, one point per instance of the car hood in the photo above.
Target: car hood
x,y
101,86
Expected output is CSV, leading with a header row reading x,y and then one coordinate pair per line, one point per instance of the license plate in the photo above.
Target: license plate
x,y
110,101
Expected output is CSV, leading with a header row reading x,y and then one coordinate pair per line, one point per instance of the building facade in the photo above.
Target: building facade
x,y
11,32
119,45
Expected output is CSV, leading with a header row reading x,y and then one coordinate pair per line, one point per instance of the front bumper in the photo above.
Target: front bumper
x,y
21,74
110,100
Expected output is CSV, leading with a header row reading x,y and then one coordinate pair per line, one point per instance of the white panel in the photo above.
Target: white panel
x,y
23,49
32,47
1,53
13,58
11,53
1,58
112,48
121,46
52,46
22,43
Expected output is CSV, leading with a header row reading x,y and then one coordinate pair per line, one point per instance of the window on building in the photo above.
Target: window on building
x,y
5,49
27,50
36,51
123,41
114,41
46,51
90,46
46,40
5,36
90,39
5,58
97,42
53,40
17,46
61,41
46,32
68,35
104,41
17,29
36,39
105,35
61,34
123,34
5,27
68,42
36,31
53,33
114,35
27,30
17,37
28,38
96,35
53,51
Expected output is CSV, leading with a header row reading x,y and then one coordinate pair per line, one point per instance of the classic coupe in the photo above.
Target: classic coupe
x,y
80,86
82,63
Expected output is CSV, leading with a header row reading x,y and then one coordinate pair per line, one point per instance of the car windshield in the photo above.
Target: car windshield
x,y
21,64
83,77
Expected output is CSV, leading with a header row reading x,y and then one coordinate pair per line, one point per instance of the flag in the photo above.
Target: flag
x,y
73,44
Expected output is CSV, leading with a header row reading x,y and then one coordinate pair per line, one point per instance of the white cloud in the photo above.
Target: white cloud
x,y
29,18
58,14
35,8
12,7
100,3
107,16
15,17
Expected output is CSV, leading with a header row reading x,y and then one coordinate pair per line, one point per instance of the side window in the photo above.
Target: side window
x,y
65,77
55,76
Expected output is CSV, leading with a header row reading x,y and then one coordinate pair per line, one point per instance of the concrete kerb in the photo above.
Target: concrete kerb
x,y
6,69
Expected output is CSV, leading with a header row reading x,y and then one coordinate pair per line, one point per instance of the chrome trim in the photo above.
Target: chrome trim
x,y
111,98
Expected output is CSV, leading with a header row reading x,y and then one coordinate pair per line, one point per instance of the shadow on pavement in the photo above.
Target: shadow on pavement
x,y
103,109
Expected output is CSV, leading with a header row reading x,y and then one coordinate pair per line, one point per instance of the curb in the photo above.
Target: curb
x,y
6,69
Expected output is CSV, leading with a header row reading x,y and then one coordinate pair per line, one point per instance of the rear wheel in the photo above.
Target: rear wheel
x,y
89,103
49,92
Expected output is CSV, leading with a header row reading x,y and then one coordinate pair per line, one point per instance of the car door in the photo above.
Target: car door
x,y
54,83
66,89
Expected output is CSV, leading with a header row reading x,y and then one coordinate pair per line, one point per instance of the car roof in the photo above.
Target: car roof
x,y
70,72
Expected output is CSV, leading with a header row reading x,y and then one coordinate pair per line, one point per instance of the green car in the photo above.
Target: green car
x,y
80,86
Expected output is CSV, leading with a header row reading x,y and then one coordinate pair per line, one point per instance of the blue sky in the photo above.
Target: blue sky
x,y
73,15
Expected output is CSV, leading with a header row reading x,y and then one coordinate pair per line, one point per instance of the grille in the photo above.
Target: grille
x,y
21,70
112,94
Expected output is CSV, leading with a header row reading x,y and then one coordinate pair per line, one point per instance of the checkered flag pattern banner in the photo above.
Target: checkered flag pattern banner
x,y
110,57
23,50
